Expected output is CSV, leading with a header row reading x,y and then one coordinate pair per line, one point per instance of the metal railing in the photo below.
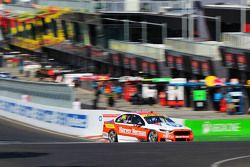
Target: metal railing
x,y
42,93
118,5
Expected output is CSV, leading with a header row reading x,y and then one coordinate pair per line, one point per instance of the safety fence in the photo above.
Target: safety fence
x,y
38,92
120,5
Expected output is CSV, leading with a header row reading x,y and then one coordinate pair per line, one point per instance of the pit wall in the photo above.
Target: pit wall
x,y
84,123
67,121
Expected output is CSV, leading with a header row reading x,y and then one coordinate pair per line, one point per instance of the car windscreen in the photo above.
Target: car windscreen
x,y
157,119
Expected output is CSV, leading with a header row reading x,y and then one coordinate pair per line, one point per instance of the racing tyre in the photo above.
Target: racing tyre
x,y
152,136
112,136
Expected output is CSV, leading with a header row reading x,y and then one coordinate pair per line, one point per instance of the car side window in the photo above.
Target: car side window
x,y
136,119
125,118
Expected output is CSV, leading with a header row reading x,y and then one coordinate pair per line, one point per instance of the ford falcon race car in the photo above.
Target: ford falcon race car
x,y
145,127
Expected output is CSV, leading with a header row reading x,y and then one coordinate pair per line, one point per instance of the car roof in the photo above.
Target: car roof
x,y
146,112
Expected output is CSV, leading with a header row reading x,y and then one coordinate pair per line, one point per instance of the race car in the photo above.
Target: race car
x,y
145,127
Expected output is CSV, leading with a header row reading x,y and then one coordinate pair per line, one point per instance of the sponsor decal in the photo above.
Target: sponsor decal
x,y
220,127
132,132
100,118
150,115
110,126
181,137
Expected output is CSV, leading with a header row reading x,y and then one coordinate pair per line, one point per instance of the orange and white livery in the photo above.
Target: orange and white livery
x,y
145,126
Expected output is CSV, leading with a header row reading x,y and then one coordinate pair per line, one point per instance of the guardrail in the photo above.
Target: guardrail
x,y
72,122
39,92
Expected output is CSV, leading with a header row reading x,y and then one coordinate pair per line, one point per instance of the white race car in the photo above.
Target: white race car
x,y
145,126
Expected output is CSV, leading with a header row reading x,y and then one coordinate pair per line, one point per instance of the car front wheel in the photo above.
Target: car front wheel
x,y
112,136
152,136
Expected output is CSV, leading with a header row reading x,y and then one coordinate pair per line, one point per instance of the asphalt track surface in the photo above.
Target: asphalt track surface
x,y
21,146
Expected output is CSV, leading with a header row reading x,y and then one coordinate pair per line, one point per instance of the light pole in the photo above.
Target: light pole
x,y
217,25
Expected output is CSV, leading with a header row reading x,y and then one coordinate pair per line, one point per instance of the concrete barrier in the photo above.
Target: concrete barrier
x,y
62,120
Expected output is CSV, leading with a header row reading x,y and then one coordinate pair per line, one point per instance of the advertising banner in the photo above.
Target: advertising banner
x,y
99,54
205,68
199,95
145,66
116,59
134,63
170,61
45,115
126,61
153,68
179,63
215,130
195,64
241,62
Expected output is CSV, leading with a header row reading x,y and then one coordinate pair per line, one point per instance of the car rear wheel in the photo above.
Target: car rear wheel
x,y
112,136
152,136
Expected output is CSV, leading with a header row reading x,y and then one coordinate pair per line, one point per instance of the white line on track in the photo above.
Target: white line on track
x,y
45,143
217,164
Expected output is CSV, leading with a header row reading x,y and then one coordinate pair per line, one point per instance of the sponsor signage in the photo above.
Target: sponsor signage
x,y
241,62
219,129
153,68
99,54
195,64
126,61
170,61
145,66
199,95
229,60
133,63
49,116
116,59
179,63
205,68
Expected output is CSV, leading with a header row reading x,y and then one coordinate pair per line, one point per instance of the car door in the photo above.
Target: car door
x,y
123,128
138,130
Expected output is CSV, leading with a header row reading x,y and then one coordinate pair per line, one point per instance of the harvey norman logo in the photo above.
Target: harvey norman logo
x,y
220,127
